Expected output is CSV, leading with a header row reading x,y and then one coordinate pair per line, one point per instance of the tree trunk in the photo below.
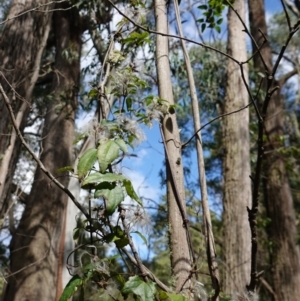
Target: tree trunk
x,y
35,246
236,161
21,46
180,258
284,254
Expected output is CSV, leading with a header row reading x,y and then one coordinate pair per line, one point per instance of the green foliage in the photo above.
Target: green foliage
x,y
212,14
72,286
144,290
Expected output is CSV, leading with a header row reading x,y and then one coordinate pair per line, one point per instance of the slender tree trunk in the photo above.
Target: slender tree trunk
x,y
21,46
285,257
180,258
236,161
35,246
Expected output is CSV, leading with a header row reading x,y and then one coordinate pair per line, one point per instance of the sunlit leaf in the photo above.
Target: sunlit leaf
x,y
98,177
108,151
66,168
114,197
131,192
86,162
122,144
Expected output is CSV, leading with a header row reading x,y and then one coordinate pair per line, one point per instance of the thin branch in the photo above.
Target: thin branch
x,y
36,159
288,19
211,121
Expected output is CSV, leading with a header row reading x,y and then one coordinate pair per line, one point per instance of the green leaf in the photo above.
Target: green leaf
x,y
170,297
129,103
204,6
93,93
141,236
145,291
130,191
108,151
66,168
86,162
203,26
118,236
76,233
71,288
114,197
219,22
122,145
98,177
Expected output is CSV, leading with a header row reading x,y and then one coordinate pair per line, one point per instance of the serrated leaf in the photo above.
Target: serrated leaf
x,y
86,162
71,288
114,197
145,291
122,145
141,236
131,192
66,168
98,177
107,153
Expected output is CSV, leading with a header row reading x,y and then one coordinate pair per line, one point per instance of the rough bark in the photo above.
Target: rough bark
x,y
21,46
284,254
35,246
180,259
236,161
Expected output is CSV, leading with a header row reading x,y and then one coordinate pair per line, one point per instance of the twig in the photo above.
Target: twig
x,y
36,159
211,121
288,19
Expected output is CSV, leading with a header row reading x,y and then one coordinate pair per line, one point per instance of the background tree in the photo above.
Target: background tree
x,y
35,246
20,52
236,161
284,253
